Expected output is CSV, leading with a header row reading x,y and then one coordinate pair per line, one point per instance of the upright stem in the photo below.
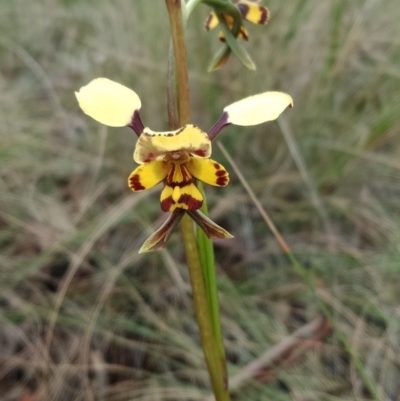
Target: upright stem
x,y
178,40
180,85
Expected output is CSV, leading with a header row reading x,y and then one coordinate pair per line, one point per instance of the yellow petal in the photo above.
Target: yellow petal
x,y
211,21
108,102
187,197
148,175
253,12
258,109
208,171
155,145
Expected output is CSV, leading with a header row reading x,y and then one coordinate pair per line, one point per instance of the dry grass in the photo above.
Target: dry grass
x,y
84,317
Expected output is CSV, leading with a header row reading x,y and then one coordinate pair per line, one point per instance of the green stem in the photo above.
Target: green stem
x,y
206,250
217,374
212,344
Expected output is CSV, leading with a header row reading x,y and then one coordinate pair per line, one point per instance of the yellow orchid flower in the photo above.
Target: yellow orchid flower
x,y
176,158
251,11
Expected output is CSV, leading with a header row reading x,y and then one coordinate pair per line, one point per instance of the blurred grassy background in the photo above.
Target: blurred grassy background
x,y
84,317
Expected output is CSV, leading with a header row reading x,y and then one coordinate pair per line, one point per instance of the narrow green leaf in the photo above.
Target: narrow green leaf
x,y
233,44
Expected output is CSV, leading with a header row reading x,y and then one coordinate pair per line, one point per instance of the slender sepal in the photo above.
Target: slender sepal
x,y
158,240
212,230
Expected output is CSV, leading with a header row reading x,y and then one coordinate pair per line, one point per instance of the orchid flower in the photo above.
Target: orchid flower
x,y
250,10
177,158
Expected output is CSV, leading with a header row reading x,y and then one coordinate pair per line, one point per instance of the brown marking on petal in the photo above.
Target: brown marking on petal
x,y
180,184
134,183
167,203
217,166
244,9
264,16
170,176
220,173
208,21
186,176
150,157
222,181
200,153
192,203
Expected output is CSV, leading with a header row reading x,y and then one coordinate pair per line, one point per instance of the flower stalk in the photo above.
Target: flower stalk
x,y
205,304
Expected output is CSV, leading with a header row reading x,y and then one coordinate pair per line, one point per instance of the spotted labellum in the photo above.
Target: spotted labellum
x,y
178,159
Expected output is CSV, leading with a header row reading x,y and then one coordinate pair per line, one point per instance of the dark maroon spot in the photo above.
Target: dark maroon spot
x,y
179,184
217,166
220,173
208,21
149,158
134,183
170,134
167,203
200,153
187,177
222,181
192,203
264,16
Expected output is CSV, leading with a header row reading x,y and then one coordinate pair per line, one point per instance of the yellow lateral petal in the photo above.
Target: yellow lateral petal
x,y
253,12
259,108
148,175
155,145
208,171
108,102
187,197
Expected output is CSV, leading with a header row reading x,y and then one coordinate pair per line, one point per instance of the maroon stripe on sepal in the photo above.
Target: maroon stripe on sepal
x,y
212,230
158,240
